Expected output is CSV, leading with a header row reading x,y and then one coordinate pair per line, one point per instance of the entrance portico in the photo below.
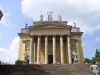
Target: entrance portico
x,y
54,50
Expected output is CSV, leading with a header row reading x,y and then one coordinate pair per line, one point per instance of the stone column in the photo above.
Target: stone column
x,y
46,49
61,49
77,48
38,51
54,49
24,43
69,50
31,49
34,51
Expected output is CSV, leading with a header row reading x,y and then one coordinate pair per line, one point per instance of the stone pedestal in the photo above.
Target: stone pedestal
x,y
25,62
76,61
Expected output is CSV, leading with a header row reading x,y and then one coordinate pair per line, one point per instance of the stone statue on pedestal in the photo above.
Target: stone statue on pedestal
x,y
49,16
1,14
74,24
26,25
75,59
26,58
41,17
59,18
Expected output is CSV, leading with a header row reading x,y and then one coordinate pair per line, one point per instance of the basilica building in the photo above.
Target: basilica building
x,y
51,42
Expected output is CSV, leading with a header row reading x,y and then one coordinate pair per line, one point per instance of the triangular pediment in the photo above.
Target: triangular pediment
x,y
50,25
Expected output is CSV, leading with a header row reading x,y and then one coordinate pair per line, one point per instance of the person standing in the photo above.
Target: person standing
x,y
95,69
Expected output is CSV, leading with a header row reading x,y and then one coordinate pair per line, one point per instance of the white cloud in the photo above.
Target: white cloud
x,y
84,12
97,39
4,20
11,54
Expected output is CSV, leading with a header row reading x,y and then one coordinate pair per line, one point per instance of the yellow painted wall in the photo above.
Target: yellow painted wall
x,y
81,51
20,50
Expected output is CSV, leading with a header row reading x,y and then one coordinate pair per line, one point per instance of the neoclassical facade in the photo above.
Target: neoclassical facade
x,y
50,42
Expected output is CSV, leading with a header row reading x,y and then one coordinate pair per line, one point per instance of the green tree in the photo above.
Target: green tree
x,y
18,62
97,56
86,60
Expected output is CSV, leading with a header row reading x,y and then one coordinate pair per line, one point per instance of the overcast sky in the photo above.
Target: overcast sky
x,y
86,14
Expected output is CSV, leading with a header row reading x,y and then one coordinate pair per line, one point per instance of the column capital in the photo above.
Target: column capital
x,y
24,41
61,35
68,35
54,35
31,36
46,35
76,40
39,35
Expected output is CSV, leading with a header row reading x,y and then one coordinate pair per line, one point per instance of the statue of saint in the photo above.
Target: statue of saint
x,y
74,24
59,18
26,25
1,14
26,56
41,17
49,16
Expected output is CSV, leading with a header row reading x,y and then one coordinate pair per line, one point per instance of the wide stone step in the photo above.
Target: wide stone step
x,y
49,69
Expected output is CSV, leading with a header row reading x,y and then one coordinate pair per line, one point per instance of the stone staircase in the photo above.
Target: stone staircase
x,y
49,69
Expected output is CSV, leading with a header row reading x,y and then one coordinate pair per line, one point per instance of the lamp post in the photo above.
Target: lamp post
x,y
1,14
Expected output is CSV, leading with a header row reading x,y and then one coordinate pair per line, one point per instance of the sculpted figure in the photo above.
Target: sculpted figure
x,y
59,18
41,17
26,56
74,24
49,16
74,57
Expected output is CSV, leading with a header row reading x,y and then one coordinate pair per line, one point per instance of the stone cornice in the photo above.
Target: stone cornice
x,y
23,34
79,33
50,28
50,33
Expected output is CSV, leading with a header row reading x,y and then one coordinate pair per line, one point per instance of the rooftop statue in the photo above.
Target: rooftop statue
x,y
74,24
41,17
26,25
49,16
1,14
59,18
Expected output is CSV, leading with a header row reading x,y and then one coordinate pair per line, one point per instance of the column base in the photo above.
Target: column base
x,y
54,62
31,63
38,63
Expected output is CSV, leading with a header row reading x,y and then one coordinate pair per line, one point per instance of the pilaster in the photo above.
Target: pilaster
x,y
24,48
77,48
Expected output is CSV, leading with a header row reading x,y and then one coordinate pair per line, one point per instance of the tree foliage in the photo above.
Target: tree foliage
x,y
87,60
95,59
18,62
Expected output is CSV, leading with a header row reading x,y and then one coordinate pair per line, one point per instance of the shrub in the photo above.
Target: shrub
x,y
18,62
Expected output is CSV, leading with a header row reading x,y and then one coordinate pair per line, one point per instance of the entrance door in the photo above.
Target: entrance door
x,y
50,59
